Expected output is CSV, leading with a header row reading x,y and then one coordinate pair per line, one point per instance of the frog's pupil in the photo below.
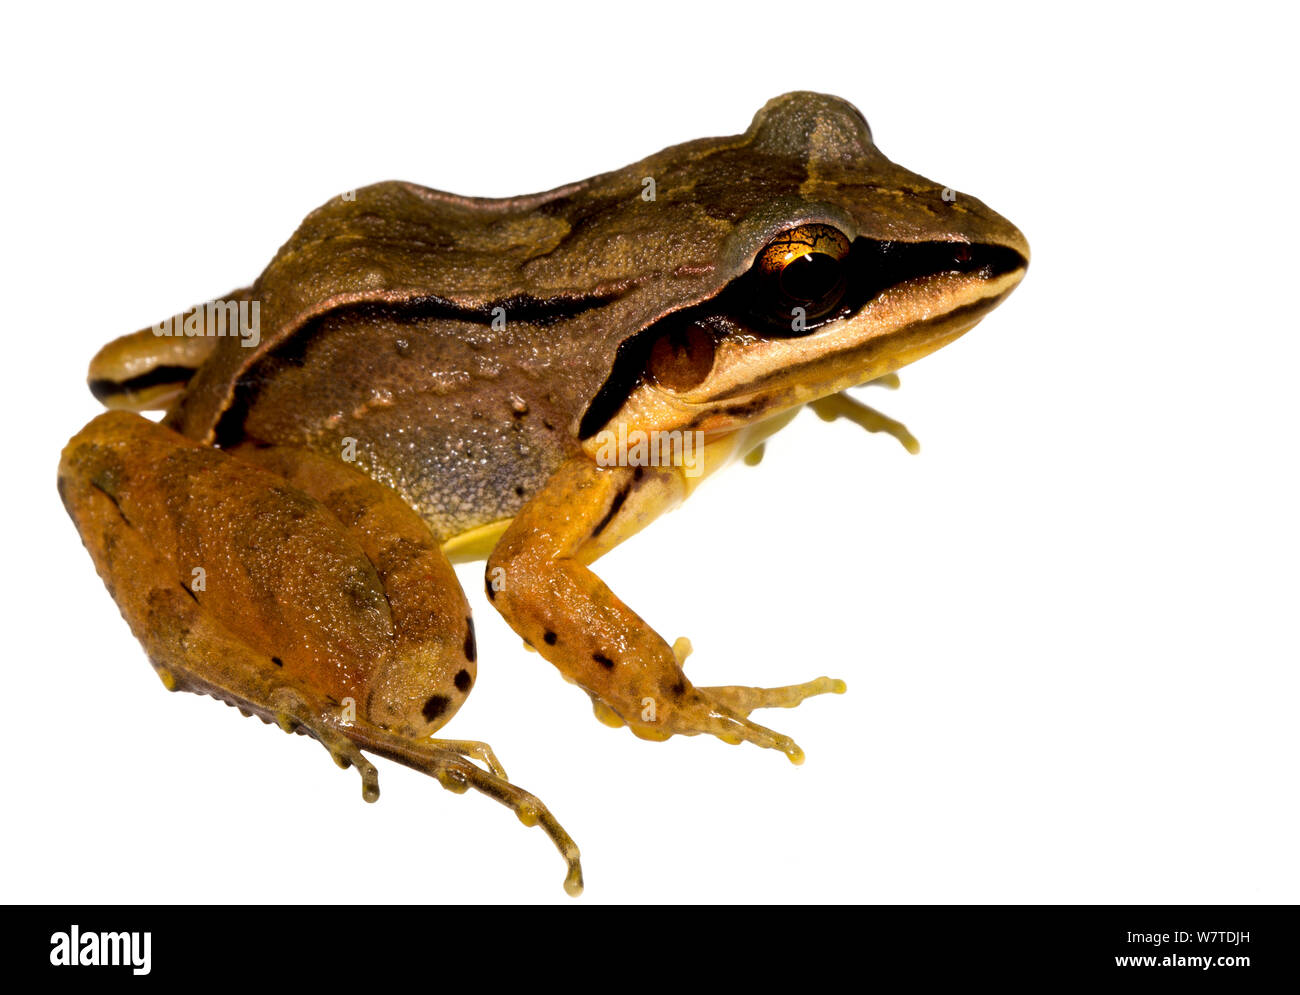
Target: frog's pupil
x,y
810,277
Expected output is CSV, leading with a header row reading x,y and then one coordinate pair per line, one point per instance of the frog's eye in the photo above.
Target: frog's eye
x,y
803,267
682,357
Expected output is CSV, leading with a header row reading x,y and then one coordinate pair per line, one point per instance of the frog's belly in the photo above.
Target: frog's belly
x,y
459,477
461,481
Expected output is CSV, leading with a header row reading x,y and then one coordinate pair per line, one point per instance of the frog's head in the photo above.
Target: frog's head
x,y
832,267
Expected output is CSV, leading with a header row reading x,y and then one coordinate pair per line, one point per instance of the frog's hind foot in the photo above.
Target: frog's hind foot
x,y
475,750
446,763
294,714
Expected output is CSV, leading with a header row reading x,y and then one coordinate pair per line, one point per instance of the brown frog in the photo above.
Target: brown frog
x,y
419,378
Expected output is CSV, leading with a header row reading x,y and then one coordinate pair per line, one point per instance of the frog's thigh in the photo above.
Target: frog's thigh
x,y
135,539
433,663
298,590
353,601
538,577
420,585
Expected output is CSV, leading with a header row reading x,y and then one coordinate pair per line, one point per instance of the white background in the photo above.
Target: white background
x,y
1068,626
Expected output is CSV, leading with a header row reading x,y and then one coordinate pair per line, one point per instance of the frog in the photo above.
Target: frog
x,y
419,379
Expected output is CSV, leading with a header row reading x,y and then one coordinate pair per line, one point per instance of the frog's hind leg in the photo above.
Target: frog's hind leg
x,y
421,589
292,587
188,647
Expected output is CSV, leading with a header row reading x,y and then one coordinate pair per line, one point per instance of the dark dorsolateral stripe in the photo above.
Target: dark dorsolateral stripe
x,y
292,351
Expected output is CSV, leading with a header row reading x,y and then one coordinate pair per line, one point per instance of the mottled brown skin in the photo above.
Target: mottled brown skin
x,y
471,348
320,590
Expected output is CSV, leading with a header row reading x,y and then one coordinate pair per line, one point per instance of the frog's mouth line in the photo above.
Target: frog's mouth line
x,y
874,267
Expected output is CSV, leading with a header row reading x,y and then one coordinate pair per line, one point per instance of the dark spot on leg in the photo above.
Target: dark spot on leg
x,y
550,638
435,706
638,473
463,681
277,661
471,650
603,660
678,688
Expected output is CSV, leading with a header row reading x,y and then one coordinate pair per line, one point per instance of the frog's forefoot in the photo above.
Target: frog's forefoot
x,y
739,701
842,406
744,700
735,729
724,712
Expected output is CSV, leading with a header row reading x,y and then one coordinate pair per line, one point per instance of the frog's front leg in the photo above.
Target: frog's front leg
x,y
538,578
841,405
291,586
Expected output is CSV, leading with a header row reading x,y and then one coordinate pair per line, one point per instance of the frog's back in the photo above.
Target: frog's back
x,y
462,347
440,342
459,341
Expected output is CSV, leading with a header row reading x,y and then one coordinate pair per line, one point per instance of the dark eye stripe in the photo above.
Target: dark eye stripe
x,y
871,267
